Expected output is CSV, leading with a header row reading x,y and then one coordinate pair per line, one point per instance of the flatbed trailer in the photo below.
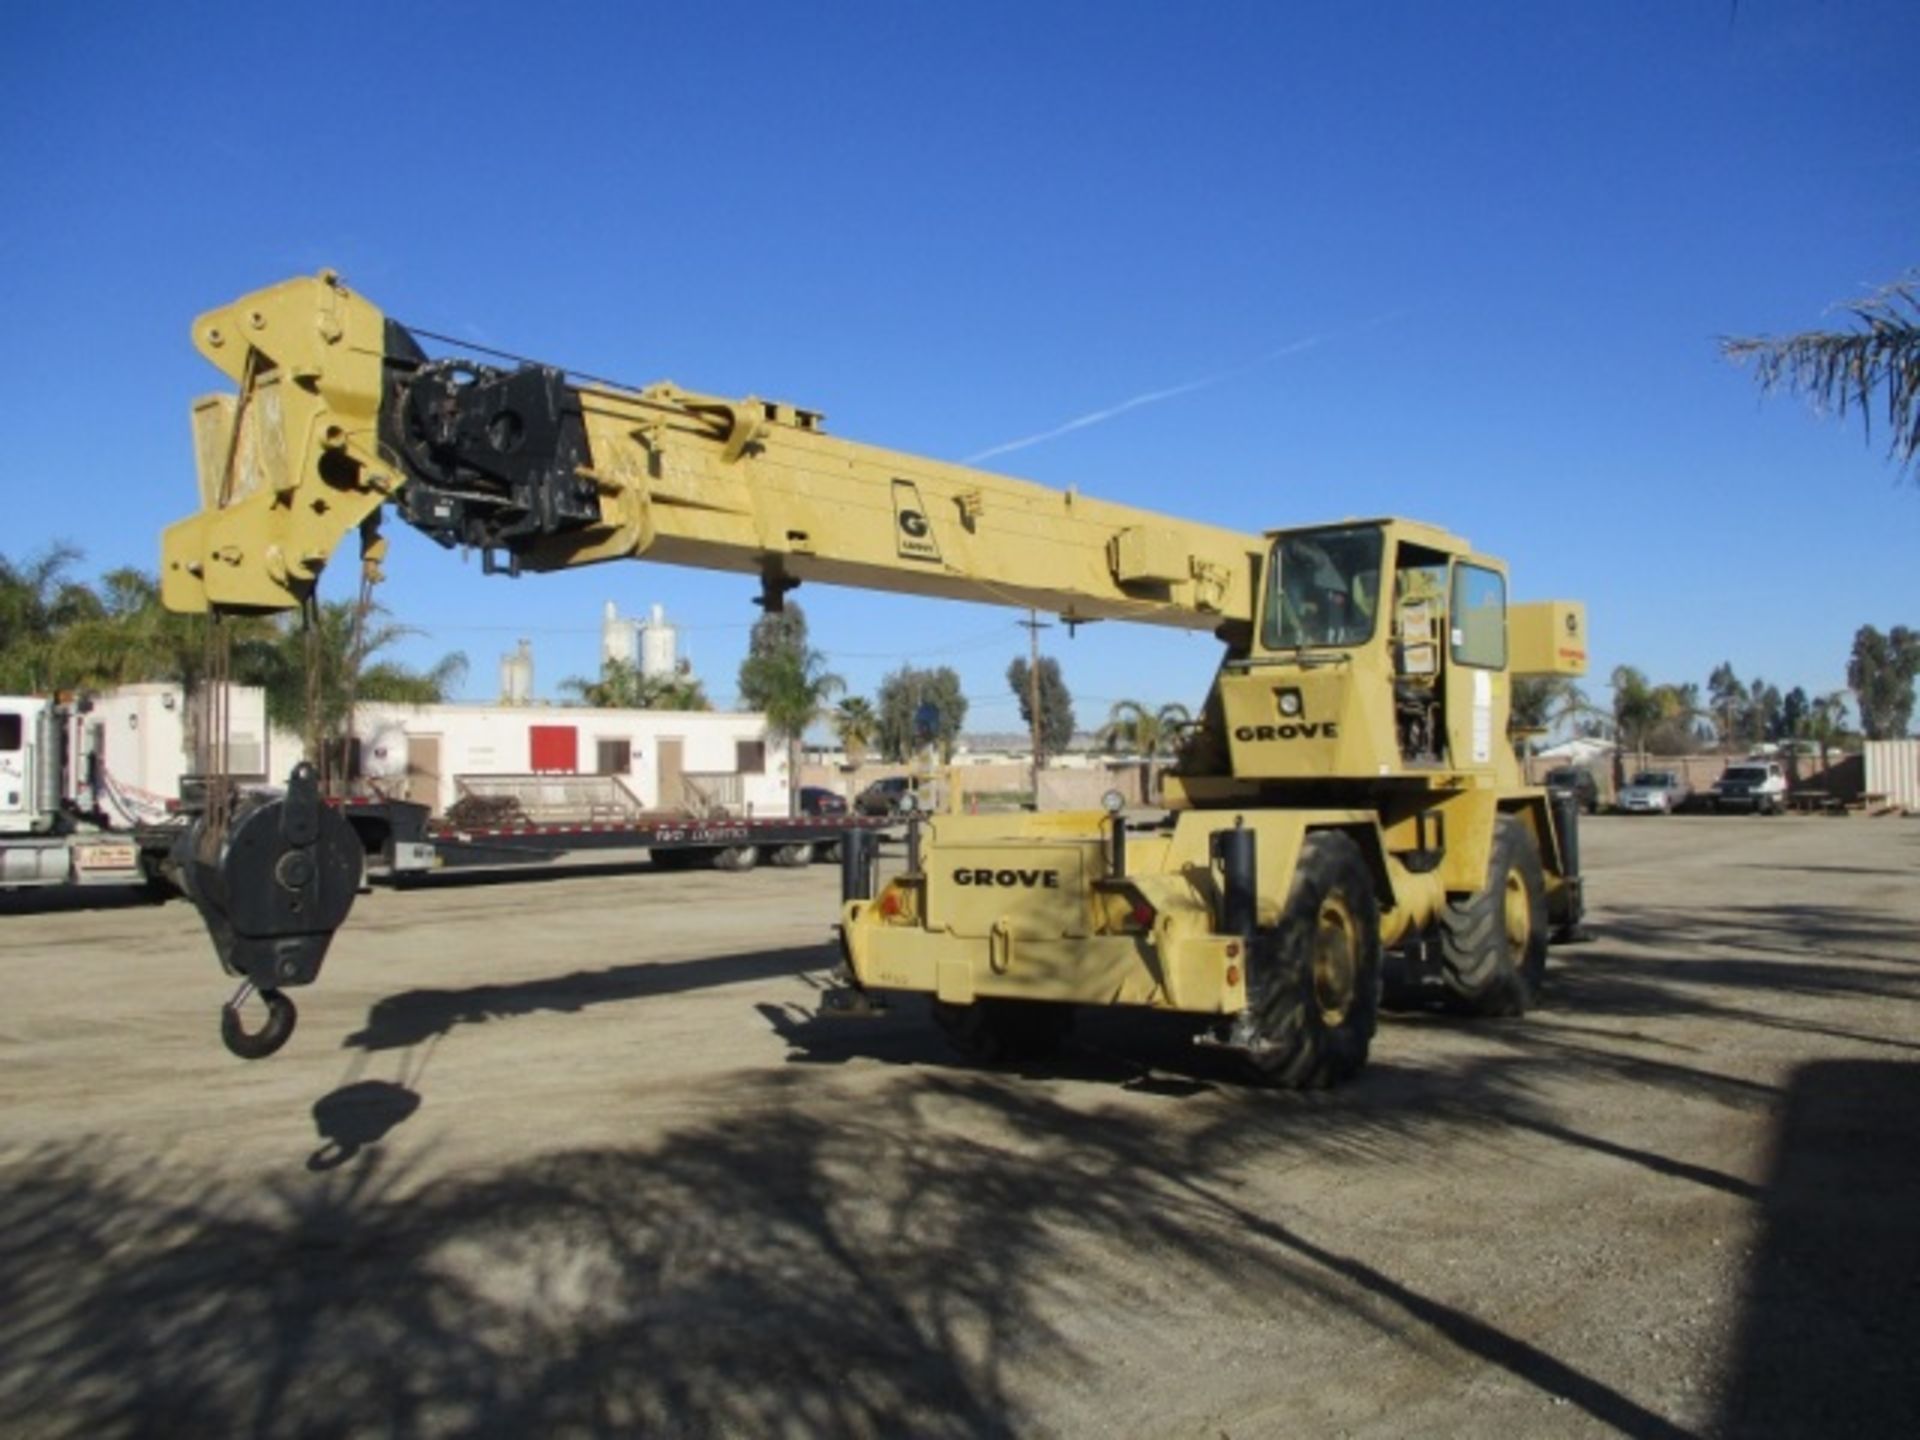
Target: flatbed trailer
x,y
402,843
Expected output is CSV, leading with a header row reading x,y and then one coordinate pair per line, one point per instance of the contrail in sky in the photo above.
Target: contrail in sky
x,y
1171,392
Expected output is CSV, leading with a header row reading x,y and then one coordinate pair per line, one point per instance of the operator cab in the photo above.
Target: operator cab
x,y
1380,649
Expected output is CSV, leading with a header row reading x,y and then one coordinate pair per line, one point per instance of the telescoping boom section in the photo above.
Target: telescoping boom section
x,y
1349,790
339,412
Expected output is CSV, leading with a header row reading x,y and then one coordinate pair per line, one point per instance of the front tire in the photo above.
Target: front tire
x,y
1493,944
1313,982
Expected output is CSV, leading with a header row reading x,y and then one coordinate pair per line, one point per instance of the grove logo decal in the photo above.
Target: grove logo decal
x,y
912,530
1302,730
1010,879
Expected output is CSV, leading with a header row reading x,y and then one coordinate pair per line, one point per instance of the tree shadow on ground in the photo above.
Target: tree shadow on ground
x,y
882,1263
859,1267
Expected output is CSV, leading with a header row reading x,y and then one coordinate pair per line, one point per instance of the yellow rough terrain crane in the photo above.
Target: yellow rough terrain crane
x,y
1351,788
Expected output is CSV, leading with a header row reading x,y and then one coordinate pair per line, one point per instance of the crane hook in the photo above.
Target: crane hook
x,y
257,1044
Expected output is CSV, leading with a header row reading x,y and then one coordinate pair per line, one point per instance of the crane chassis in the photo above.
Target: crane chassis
x,y
1349,792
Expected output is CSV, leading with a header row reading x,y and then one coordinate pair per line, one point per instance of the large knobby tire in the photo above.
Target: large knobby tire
x,y
1313,987
1493,944
1001,1031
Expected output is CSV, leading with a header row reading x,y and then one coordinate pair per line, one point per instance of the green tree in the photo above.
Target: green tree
x,y
1056,704
344,670
1135,728
135,638
39,601
787,680
622,686
1763,711
1880,673
902,694
1795,708
855,724
776,632
1678,730
1874,365
1540,702
1636,709
1827,722
1729,697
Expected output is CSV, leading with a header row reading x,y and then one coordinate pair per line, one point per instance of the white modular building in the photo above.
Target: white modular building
x,y
140,739
669,760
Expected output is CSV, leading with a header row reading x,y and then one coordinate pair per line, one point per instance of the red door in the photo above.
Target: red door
x,y
556,748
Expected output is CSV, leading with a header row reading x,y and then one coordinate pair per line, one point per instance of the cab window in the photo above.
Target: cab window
x,y
1323,588
10,732
1479,618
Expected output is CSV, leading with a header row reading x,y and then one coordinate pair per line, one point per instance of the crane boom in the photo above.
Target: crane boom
x,y
339,412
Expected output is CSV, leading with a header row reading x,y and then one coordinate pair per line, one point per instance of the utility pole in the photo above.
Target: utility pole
x,y
1034,625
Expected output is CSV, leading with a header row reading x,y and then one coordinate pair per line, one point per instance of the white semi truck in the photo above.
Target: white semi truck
x,y
89,788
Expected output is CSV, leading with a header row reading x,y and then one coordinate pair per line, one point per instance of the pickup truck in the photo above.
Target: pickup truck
x,y
1756,785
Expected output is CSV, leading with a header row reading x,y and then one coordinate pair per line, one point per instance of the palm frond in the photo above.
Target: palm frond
x,y
1876,365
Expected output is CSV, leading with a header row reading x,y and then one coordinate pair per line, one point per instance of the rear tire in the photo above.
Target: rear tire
x,y
1313,982
1493,944
737,858
1000,1031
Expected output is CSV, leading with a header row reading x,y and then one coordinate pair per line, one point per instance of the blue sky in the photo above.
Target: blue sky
x,y
1462,262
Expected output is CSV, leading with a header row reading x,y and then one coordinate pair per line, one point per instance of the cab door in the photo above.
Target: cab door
x,y
1476,663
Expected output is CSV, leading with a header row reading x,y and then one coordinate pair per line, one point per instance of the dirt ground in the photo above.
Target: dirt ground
x,y
572,1156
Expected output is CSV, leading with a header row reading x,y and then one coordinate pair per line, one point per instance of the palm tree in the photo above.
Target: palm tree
x,y
793,686
855,724
1133,727
136,638
1841,370
1540,702
624,686
345,670
1636,709
1729,696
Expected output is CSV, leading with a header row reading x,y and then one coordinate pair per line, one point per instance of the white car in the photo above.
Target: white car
x,y
1654,792
1756,785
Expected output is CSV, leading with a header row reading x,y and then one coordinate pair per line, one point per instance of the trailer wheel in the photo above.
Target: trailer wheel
x,y
998,1031
792,855
737,857
1493,944
1313,984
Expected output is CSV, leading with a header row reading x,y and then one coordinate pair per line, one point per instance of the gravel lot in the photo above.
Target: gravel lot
x,y
571,1156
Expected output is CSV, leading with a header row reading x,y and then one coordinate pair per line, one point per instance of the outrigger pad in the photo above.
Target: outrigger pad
x,y
280,885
